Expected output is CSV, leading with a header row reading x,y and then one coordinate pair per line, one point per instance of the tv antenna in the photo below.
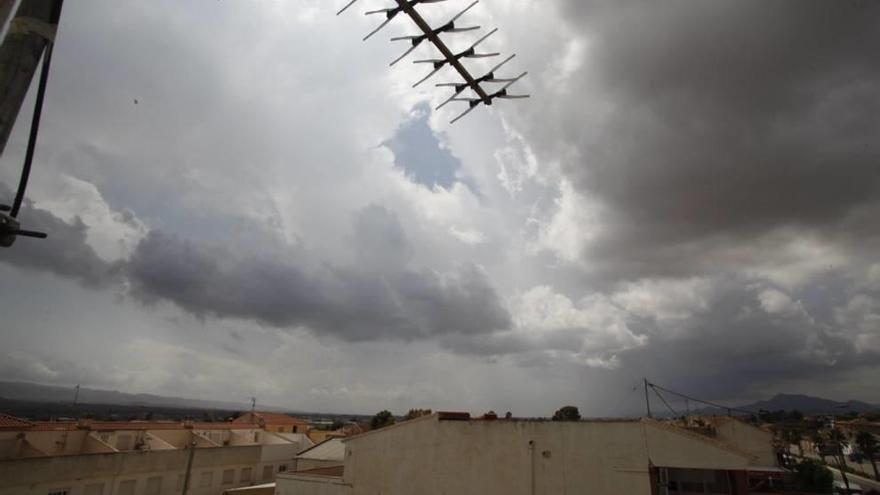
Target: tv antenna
x,y
31,20
477,85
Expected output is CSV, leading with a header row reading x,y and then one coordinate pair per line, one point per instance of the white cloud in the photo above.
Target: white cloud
x,y
666,299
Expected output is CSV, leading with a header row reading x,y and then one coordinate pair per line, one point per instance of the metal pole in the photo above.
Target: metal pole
x,y
38,111
32,138
647,399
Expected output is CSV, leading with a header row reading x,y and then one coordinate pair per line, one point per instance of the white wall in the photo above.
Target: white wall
x,y
37,476
428,456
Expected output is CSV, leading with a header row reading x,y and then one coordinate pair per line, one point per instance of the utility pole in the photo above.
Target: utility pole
x,y
647,399
838,438
189,465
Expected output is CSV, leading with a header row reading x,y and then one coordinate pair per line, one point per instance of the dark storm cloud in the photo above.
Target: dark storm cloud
x,y
65,252
737,344
383,299
724,350
722,119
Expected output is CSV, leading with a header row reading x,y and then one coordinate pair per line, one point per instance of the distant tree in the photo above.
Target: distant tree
x,y
416,413
838,442
869,448
381,420
567,413
813,477
337,424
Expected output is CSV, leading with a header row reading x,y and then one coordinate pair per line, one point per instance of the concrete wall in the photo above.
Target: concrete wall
x,y
306,464
748,438
38,476
428,456
291,484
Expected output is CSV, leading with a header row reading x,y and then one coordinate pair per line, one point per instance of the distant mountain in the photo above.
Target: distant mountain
x,y
48,393
808,404
803,403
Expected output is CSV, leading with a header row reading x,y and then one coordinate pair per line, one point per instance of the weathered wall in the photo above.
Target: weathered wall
x,y
306,464
517,457
38,476
311,485
748,438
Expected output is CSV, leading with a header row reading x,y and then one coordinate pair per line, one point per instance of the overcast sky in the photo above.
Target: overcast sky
x,y
244,199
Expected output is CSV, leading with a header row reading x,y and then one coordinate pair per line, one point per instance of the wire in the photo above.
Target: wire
x,y
701,401
674,412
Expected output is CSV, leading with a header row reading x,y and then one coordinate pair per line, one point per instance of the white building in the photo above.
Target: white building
x,y
450,453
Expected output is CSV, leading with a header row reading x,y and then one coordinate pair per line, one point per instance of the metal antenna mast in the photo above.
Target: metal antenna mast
x,y
449,58
35,25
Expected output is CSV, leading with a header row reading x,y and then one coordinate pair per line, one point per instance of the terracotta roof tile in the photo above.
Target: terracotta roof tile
x,y
8,422
272,419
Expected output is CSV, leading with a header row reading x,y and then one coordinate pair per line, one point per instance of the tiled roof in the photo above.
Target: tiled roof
x,y
272,419
8,422
335,471
131,425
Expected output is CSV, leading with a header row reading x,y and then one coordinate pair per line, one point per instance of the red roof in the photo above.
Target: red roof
x,y
270,419
132,425
8,422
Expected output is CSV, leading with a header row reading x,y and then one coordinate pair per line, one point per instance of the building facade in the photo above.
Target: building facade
x,y
450,453
140,458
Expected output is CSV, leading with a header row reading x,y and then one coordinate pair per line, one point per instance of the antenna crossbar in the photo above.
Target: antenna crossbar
x,y
434,38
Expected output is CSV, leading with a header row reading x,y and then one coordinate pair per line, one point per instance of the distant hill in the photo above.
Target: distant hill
x,y
22,391
808,404
803,403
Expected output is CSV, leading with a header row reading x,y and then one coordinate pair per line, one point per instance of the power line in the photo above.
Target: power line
x,y
674,412
701,401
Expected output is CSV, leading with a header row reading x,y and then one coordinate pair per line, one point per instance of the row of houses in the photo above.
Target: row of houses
x,y
146,458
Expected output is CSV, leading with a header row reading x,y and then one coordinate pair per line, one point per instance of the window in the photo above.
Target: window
x,y
206,479
267,472
282,468
228,476
154,486
245,475
126,487
95,489
65,491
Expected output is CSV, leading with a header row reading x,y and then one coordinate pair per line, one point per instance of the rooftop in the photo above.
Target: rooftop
x,y
332,449
332,471
11,423
270,418
8,422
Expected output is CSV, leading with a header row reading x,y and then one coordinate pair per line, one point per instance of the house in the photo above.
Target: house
x,y
321,436
139,457
275,422
453,453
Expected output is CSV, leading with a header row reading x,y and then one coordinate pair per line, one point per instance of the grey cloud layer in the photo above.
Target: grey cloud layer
x,y
721,121
65,252
382,298
730,142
